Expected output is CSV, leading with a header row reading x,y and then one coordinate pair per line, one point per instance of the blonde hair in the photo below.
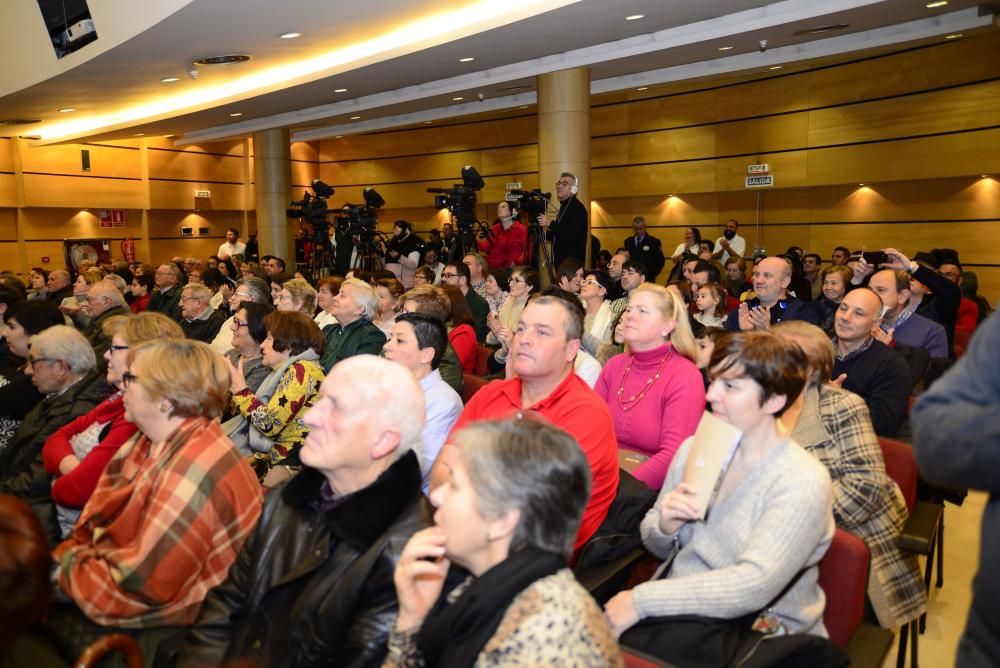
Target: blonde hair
x,y
189,374
816,345
681,337
146,326
302,292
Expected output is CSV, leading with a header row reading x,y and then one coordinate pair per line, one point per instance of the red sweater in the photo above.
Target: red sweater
x,y
463,340
74,489
140,304
508,248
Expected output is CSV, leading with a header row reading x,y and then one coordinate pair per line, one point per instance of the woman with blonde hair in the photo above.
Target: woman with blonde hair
x,y
835,427
296,295
388,290
654,391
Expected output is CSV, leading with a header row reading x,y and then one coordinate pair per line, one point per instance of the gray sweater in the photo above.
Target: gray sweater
x,y
777,523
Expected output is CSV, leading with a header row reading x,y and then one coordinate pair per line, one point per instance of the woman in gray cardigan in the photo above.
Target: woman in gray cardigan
x,y
770,522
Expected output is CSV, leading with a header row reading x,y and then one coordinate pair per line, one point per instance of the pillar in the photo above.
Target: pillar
x,y
564,132
272,169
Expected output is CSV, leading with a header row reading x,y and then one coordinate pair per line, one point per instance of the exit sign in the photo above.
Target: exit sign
x,y
514,185
760,181
757,169
203,193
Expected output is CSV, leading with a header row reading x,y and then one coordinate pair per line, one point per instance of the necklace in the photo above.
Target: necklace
x,y
634,399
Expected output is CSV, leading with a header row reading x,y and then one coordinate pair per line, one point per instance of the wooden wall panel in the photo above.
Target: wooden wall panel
x,y
180,195
54,250
80,192
228,147
192,166
6,155
8,190
8,224
65,159
55,224
10,258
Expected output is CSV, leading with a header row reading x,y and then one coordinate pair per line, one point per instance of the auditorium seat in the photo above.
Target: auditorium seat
x,y
471,385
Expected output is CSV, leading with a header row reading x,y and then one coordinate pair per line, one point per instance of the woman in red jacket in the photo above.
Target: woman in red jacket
x,y
461,335
77,454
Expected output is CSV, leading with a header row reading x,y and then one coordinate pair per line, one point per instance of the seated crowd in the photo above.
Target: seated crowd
x,y
230,461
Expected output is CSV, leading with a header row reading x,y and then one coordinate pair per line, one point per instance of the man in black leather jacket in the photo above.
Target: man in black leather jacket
x,y
314,584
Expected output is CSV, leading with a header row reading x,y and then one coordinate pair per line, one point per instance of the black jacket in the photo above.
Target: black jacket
x,y
168,303
650,253
314,588
22,472
881,377
568,232
203,330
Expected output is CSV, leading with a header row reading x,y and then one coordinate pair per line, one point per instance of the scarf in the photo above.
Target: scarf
x,y
455,634
238,428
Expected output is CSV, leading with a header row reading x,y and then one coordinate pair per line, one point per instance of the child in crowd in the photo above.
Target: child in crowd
x,y
711,304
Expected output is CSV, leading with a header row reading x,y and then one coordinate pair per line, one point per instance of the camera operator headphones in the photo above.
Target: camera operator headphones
x,y
576,185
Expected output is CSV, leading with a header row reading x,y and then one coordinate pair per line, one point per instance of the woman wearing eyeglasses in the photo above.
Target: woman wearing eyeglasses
x,y
76,454
523,283
594,292
248,335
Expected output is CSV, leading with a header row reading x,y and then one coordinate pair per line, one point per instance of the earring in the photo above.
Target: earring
x,y
164,408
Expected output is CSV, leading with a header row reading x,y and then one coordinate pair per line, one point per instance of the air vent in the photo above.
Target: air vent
x,y
223,60
19,121
821,29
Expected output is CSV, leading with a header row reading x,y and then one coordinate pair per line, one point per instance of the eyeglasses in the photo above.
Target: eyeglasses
x,y
591,281
448,275
564,183
33,361
242,297
517,279
237,323
128,377
115,348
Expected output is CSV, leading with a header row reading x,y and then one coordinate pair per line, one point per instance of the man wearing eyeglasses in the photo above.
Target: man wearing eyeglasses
x,y
103,301
199,320
167,298
568,231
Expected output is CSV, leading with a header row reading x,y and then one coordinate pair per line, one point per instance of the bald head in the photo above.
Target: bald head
x,y
102,297
858,313
771,277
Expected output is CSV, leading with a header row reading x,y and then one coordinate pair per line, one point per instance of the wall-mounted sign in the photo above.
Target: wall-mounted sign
x,y
112,218
203,193
757,169
765,181
514,185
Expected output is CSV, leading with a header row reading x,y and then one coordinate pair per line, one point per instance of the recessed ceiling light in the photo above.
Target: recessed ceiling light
x,y
291,35
168,136
954,35
139,134
775,67
861,185
523,106
457,99
427,122
355,118
984,176
227,59
938,3
725,48
236,114
339,137
169,79
66,110
635,17
339,90
643,88
819,30
467,59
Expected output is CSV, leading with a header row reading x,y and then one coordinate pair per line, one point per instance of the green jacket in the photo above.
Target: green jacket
x,y
360,337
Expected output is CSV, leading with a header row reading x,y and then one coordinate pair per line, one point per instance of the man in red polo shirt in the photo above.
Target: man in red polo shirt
x,y
544,349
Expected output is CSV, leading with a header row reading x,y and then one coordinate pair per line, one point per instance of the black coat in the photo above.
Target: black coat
x,y
568,232
650,253
314,588
22,472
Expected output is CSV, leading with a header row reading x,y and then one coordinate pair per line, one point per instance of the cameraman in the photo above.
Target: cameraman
x,y
507,246
569,230
404,248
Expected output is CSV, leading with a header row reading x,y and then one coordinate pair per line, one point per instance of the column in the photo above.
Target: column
x,y
272,169
564,132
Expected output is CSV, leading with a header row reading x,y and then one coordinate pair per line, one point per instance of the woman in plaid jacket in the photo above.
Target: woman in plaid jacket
x,y
834,425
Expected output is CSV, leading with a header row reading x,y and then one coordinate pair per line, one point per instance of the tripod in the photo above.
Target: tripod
x,y
367,254
465,239
321,258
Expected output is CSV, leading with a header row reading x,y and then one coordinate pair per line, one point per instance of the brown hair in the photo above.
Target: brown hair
x,y
777,365
845,272
816,345
395,288
719,293
331,283
431,300
459,312
294,331
25,565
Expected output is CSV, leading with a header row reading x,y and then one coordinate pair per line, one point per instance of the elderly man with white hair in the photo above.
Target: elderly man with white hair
x,y
315,581
199,320
104,301
62,366
354,307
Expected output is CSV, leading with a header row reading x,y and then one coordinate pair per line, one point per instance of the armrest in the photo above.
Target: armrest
x,y
921,528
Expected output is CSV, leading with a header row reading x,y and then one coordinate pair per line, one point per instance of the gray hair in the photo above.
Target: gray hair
x,y
66,344
118,282
108,289
535,468
365,297
301,291
258,289
198,291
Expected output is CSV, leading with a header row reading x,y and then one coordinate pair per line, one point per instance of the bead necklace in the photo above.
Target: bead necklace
x,y
634,399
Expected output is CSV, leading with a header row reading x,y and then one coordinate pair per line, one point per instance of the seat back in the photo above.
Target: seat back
x,y
483,354
633,658
106,645
843,576
471,386
901,466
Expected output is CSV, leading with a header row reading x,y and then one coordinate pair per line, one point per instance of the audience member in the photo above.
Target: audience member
x,y
957,434
271,426
544,349
507,245
811,265
730,244
867,367
354,307
296,295
458,275
250,289
633,275
104,301
314,583
615,267
142,293
174,506
898,321
836,281
418,342
404,249
433,301
77,453
968,310
232,246
932,296
834,425
599,314
736,278
840,256
654,392
426,275
326,290
692,239
569,275
199,320
37,288
509,519
644,248
751,555
388,291
461,335
523,283
497,289
568,231
167,298
59,286
710,302
274,266
62,367
75,307
249,333
771,303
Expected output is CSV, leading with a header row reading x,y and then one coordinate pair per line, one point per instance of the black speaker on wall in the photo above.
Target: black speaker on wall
x,y
85,160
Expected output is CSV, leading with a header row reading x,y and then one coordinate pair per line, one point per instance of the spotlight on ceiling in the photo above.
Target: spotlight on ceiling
x,y
169,79
290,35
635,17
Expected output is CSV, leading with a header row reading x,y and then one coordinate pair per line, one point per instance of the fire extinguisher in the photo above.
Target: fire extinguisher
x,y
128,249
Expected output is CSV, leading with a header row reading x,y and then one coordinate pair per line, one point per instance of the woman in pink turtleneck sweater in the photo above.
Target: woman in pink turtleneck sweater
x,y
654,391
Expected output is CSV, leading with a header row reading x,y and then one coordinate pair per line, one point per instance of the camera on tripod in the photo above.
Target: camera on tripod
x,y
460,199
360,220
533,202
312,208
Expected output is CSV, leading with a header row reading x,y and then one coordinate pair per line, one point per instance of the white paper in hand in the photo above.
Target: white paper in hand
x,y
712,448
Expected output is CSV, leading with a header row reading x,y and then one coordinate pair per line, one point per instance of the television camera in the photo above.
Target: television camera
x,y
460,200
